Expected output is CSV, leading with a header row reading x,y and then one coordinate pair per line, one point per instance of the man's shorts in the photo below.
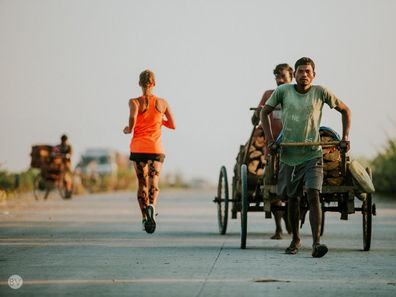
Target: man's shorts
x,y
293,179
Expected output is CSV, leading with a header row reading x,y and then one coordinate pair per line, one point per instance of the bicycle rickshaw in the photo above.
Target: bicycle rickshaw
x,y
343,181
53,172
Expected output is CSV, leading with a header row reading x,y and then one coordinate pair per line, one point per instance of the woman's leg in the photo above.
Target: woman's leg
x,y
154,171
142,193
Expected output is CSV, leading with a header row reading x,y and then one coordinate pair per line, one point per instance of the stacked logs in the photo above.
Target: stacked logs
x,y
331,161
40,155
256,157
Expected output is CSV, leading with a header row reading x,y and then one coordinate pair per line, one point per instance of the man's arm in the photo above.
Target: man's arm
x,y
256,114
266,123
346,119
133,110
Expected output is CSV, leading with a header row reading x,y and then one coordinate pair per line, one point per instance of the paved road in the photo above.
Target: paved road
x,y
94,246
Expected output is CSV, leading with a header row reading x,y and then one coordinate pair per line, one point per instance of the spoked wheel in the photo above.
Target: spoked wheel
x,y
64,189
41,187
323,222
234,198
222,201
245,205
367,213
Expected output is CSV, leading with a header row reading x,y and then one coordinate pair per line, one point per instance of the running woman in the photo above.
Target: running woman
x,y
147,115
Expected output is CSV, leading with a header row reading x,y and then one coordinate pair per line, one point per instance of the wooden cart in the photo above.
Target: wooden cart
x,y
255,194
52,172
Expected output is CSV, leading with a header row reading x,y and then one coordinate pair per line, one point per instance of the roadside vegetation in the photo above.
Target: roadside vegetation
x,y
384,169
383,166
125,179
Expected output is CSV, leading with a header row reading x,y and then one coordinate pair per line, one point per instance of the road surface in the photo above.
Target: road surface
x,y
93,246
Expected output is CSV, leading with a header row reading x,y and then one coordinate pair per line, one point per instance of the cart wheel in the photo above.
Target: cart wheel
x,y
41,187
222,201
245,205
367,222
367,213
234,198
323,222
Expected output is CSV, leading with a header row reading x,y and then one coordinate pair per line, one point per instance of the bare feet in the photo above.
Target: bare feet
x,y
277,236
293,248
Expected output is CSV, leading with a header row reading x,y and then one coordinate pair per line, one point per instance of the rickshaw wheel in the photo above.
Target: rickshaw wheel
x,y
234,198
367,214
41,187
222,201
245,205
367,222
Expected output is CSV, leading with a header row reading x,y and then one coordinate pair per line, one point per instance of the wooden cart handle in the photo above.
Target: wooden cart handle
x,y
330,143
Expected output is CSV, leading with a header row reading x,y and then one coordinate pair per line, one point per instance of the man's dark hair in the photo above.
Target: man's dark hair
x,y
280,67
304,61
64,137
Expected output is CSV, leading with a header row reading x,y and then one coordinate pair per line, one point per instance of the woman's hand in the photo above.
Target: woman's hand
x,y
127,130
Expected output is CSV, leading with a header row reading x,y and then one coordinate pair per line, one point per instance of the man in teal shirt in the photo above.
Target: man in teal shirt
x,y
302,167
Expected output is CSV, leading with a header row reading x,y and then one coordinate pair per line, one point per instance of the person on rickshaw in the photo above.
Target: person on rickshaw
x,y
301,167
283,75
64,150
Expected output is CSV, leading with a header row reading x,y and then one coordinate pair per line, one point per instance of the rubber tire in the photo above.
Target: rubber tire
x,y
367,214
245,205
234,210
223,200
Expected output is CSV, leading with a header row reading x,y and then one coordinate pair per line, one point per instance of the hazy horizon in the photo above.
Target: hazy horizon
x,y
71,66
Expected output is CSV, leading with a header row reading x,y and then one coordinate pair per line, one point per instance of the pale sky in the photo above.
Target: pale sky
x,y
71,66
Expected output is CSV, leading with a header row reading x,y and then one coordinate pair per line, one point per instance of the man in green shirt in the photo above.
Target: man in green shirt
x,y
302,167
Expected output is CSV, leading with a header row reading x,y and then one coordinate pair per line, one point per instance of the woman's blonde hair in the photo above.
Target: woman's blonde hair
x,y
146,78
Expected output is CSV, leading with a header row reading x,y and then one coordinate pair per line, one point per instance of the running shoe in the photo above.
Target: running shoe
x,y
150,223
144,224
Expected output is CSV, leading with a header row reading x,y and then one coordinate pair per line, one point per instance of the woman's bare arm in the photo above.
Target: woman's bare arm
x,y
133,111
169,121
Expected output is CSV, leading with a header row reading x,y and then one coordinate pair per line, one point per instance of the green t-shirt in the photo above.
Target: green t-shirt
x,y
301,115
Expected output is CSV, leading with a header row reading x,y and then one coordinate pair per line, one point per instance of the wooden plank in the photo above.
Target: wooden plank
x,y
337,189
330,143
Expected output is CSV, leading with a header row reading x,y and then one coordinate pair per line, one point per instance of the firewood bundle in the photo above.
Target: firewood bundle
x,y
256,158
40,156
331,161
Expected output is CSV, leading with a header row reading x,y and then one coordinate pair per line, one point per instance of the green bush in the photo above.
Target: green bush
x,y
7,181
26,180
384,169
22,182
126,179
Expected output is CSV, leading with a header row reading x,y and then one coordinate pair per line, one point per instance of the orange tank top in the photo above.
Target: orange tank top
x,y
147,132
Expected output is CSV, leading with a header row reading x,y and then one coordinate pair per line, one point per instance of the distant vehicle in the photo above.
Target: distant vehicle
x,y
98,169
